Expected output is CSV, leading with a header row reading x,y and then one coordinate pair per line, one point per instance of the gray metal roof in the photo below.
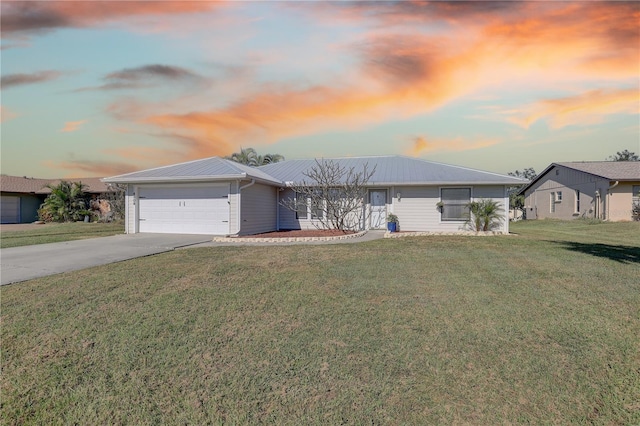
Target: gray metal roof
x,y
613,170
395,170
207,169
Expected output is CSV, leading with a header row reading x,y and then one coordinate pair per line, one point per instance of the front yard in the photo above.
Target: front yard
x,y
538,327
24,235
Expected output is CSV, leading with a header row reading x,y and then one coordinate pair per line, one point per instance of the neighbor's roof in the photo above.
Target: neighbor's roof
x,y
394,170
27,185
611,170
207,169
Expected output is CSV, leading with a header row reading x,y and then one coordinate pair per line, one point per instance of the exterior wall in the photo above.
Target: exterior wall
x,y
129,210
620,200
28,206
417,211
259,209
415,207
596,200
234,216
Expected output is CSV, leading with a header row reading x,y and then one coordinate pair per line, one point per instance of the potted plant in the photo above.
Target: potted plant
x,y
392,223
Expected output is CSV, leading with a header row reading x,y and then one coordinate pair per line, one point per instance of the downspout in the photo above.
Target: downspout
x,y
240,188
609,198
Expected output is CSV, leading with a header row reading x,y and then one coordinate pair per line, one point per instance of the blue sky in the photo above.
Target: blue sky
x,y
102,88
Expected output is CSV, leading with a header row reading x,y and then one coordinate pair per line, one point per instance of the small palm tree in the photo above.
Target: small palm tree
x,y
484,215
251,158
66,203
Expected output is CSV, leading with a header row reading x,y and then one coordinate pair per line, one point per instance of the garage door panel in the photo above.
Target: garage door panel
x,y
188,210
9,209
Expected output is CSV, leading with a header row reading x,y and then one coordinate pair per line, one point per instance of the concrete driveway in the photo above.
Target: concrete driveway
x,y
29,262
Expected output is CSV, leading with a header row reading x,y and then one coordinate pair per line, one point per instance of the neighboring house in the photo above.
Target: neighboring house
x,y
600,189
22,196
220,197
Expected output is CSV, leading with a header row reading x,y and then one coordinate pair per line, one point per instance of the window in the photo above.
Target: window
x,y
301,207
559,197
454,203
552,202
317,209
577,206
635,194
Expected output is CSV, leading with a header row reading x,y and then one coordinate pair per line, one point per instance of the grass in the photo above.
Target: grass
x,y
58,232
541,327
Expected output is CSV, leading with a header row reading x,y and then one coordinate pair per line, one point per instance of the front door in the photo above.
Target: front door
x,y
378,202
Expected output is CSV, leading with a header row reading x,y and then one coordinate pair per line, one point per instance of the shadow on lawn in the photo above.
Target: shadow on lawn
x,y
622,254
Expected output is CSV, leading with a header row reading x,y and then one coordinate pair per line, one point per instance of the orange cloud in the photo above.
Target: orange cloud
x,y
6,114
72,126
587,108
88,168
404,73
421,144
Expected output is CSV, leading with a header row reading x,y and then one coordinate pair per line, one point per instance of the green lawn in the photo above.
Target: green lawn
x,y
58,232
540,327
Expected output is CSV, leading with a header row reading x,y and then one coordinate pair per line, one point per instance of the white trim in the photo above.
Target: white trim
x,y
471,198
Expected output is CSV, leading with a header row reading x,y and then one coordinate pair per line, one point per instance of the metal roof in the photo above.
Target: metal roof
x,y
394,170
207,169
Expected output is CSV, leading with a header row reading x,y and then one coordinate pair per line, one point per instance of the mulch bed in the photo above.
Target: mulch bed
x,y
300,233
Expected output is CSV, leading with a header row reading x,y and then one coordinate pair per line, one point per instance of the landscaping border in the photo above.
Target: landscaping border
x,y
286,239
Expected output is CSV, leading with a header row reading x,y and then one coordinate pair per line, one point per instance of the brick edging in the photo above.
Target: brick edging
x,y
430,234
286,240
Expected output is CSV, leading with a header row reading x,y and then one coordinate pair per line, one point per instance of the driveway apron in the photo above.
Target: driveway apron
x,y
29,262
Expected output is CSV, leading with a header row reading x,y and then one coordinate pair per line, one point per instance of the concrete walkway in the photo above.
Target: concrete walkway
x,y
28,262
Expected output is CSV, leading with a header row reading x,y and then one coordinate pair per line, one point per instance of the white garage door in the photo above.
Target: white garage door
x,y
184,210
9,209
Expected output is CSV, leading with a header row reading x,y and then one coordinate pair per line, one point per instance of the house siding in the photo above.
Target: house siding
x,y
416,209
130,210
596,200
259,209
620,201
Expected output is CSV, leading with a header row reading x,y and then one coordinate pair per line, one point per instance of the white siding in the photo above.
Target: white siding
x,y
130,211
234,217
259,209
498,194
416,209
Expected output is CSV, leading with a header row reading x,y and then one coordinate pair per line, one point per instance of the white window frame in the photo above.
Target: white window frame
x,y
576,204
442,219
552,202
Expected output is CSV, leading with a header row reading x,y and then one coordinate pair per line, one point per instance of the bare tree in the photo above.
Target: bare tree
x,y
115,199
334,195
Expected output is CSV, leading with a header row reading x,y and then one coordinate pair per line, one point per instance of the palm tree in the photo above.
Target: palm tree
x,y
484,215
66,203
251,158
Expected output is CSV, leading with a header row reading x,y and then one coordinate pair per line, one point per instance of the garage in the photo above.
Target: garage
x,y
184,209
10,209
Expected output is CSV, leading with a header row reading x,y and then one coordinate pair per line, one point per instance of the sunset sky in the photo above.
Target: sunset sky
x,y
103,88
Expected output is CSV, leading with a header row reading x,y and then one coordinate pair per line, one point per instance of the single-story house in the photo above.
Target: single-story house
x,y
220,197
599,189
22,196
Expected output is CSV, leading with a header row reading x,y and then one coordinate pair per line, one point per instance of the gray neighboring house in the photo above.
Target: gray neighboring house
x,y
598,189
220,197
22,196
